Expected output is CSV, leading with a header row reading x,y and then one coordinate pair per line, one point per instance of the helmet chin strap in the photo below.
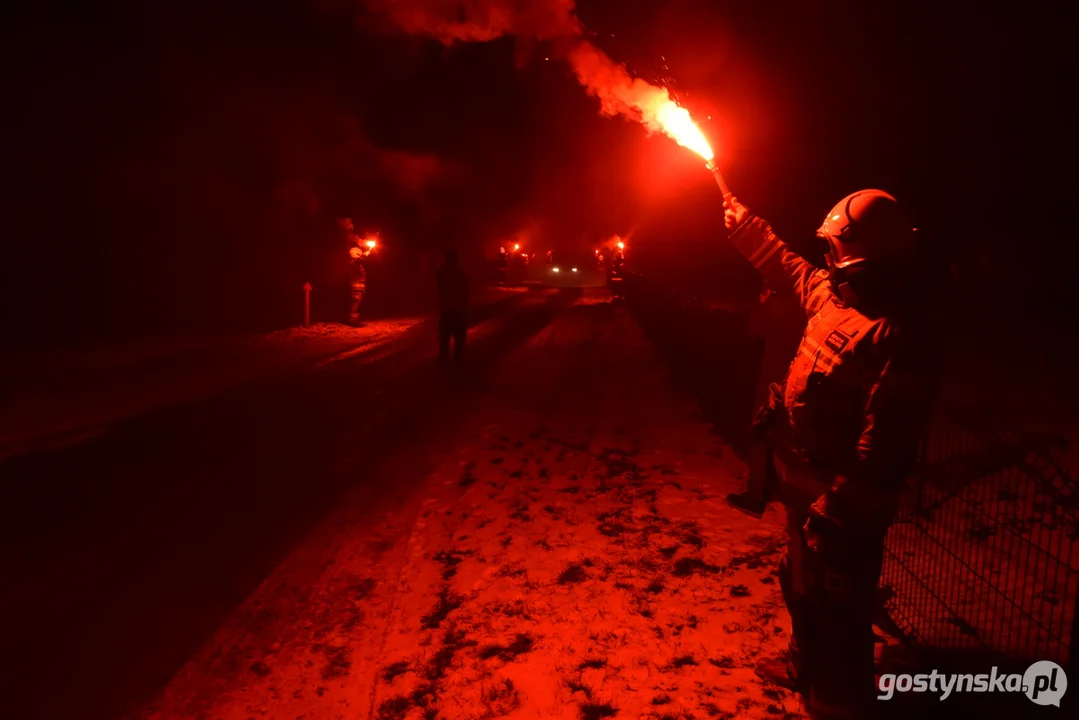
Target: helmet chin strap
x,y
845,291
841,282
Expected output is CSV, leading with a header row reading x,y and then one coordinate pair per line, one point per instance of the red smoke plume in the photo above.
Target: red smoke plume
x,y
481,20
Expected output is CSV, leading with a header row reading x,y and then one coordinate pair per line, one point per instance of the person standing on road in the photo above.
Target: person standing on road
x,y
616,276
357,285
848,419
453,306
358,251
503,265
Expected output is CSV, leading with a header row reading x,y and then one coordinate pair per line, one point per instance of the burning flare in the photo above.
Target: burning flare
x,y
621,94
677,123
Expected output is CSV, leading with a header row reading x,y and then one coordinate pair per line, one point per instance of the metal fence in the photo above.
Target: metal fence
x,y
984,555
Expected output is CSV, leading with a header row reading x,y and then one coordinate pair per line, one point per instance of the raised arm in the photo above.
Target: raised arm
x,y
777,263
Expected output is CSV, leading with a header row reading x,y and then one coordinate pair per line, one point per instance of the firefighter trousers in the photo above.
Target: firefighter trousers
x,y
452,326
357,292
830,593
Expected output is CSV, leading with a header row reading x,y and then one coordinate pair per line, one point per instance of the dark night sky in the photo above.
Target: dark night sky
x,y
181,163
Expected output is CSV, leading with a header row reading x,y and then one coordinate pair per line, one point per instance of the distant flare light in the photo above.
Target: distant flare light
x,y
371,244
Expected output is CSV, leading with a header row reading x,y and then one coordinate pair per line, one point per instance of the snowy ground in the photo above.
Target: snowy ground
x,y
541,534
56,398
570,555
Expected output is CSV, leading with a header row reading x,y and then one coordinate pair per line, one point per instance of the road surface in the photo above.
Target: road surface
x,y
540,534
53,398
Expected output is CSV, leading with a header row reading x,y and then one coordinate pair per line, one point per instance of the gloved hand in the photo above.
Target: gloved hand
x,y
762,424
734,213
823,531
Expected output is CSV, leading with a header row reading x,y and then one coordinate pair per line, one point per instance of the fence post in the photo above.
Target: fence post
x,y
307,304
1072,663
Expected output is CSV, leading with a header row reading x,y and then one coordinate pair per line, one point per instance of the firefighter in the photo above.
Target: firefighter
x,y
453,306
503,264
615,275
357,276
357,273
844,430
359,251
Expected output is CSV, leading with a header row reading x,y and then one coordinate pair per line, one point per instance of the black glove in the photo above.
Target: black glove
x,y
762,425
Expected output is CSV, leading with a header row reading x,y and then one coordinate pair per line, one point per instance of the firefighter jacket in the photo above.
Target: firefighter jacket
x,y
357,275
452,288
855,400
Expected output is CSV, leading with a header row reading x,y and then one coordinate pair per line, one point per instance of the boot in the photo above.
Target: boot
x,y
747,503
820,709
781,671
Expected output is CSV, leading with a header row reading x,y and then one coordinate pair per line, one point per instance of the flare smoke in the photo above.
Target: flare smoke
x,y
453,21
618,93
480,20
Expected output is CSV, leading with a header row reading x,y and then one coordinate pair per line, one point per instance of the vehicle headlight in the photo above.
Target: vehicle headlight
x,y
574,269
554,269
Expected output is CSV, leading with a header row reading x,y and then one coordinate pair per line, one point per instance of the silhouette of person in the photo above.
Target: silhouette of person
x,y
453,308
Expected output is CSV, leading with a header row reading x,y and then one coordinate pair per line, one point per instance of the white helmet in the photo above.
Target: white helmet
x,y
866,228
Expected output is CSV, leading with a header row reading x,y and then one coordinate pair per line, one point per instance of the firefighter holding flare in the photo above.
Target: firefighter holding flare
x,y
616,269
360,250
843,427
844,431
503,265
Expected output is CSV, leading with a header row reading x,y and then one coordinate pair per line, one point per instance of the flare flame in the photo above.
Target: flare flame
x,y
621,94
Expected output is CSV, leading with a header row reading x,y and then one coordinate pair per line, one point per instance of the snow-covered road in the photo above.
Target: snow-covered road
x,y
564,551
